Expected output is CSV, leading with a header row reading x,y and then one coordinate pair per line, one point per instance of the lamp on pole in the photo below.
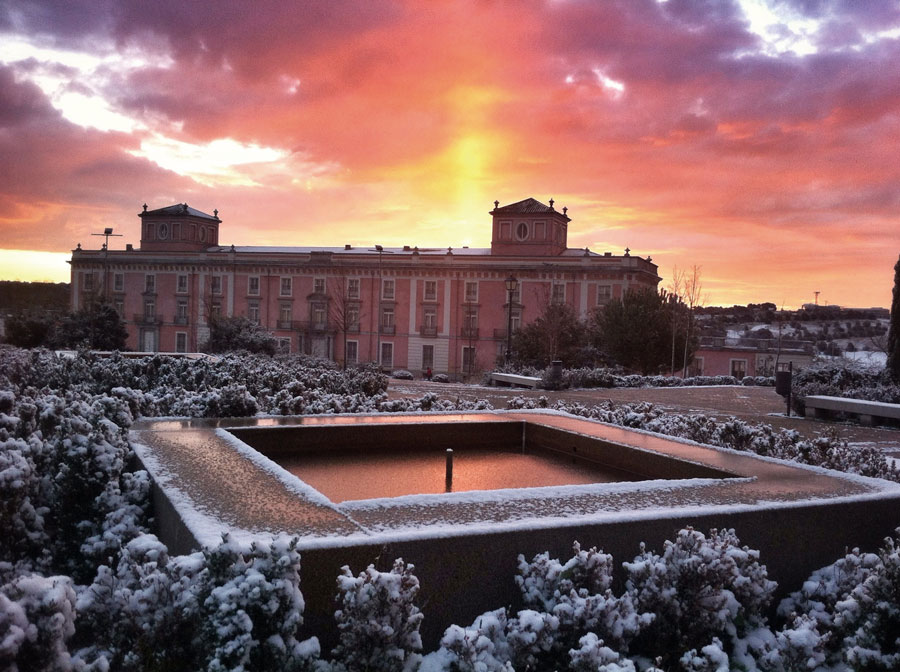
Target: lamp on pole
x,y
511,284
107,232
380,250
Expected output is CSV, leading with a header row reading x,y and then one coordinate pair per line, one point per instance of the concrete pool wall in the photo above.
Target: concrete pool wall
x,y
465,545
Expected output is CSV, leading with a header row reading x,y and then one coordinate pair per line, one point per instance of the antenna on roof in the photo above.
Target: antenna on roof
x,y
107,232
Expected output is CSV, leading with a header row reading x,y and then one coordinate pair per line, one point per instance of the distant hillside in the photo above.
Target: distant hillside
x,y
17,296
832,329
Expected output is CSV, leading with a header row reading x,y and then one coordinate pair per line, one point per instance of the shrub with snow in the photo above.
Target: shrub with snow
x,y
252,608
37,616
223,609
402,374
575,599
378,619
845,614
481,647
700,588
843,378
606,378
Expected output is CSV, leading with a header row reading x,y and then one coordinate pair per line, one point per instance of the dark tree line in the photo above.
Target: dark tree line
x,y
97,326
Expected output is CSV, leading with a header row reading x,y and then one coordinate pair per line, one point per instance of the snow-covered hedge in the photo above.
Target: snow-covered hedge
x,y
843,378
602,377
589,378
166,386
84,586
729,432
223,609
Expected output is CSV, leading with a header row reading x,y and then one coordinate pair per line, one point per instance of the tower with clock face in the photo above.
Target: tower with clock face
x,y
179,227
529,228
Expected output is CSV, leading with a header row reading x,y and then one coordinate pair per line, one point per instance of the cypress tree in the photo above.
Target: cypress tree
x,y
893,348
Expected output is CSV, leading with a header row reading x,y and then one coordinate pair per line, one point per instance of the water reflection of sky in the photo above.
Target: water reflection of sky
x,y
343,476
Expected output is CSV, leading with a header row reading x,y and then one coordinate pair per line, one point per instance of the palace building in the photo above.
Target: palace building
x,y
446,309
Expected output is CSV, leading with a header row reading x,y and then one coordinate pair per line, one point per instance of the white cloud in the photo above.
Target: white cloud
x,y
615,88
74,80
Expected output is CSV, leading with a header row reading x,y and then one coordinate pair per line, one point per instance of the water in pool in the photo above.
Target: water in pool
x,y
353,475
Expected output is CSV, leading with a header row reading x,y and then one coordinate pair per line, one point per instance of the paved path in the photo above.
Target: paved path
x,y
753,404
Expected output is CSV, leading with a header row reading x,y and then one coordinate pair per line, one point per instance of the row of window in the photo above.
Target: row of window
x,y
558,290
352,352
386,358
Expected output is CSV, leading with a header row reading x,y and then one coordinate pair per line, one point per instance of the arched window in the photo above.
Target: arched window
x,y
522,231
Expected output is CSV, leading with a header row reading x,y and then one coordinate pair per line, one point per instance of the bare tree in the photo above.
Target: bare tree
x,y
344,310
692,289
675,300
470,333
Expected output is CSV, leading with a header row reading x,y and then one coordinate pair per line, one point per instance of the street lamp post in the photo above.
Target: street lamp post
x,y
511,284
107,232
380,250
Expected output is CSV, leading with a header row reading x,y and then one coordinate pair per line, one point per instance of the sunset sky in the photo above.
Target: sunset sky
x,y
757,139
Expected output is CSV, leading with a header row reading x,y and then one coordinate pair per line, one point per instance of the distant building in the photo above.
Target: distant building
x,y
413,308
739,357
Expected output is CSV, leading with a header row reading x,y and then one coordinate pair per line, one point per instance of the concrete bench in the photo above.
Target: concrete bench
x,y
513,380
867,412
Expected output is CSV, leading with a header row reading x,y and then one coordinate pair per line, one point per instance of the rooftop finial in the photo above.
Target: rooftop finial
x,y
496,204
627,252
145,207
565,209
551,203
184,206
216,213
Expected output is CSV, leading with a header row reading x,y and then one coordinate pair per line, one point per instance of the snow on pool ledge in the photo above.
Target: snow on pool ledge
x,y
464,544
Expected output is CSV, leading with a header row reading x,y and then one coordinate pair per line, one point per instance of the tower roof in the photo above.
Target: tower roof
x,y
180,210
529,206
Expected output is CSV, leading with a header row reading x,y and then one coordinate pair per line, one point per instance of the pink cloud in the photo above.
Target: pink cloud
x,y
418,110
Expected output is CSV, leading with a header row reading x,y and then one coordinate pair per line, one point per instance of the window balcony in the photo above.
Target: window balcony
x,y
318,327
353,328
141,318
181,319
428,332
284,324
387,329
469,332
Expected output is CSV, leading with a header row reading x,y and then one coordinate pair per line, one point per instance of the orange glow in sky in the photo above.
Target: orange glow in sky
x,y
756,139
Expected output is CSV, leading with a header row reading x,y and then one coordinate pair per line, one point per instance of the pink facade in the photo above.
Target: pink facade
x,y
407,308
741,357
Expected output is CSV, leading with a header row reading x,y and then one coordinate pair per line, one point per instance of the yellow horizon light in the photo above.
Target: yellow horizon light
x,y
34,266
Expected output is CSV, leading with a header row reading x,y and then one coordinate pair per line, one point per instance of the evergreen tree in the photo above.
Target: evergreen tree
x,y
636,331
97,326
30,329
556,333
893,347
239,333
